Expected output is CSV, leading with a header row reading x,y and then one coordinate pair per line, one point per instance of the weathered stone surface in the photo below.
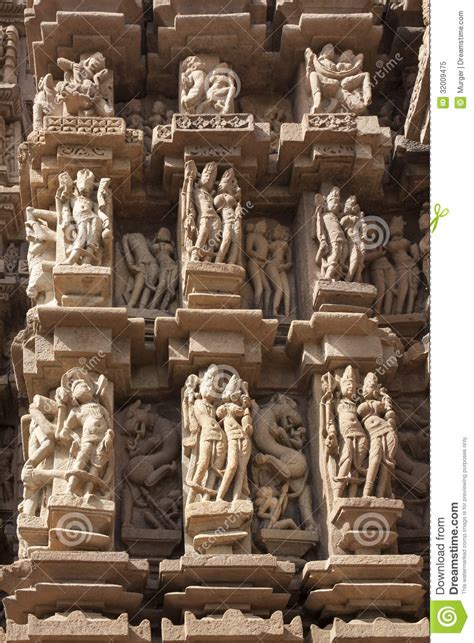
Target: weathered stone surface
x,y
214,298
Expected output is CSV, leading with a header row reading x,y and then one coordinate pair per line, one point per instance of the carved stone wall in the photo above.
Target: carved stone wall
x,y
214,306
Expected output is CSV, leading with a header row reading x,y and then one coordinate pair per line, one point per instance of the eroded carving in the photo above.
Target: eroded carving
x,y
269,266
152,485
150,270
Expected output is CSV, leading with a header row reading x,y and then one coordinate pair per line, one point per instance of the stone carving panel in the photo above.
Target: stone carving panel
x,y
217,430
152,490
207,86
68,444
146,271
72,244
269,264
86,90
281,478
337,82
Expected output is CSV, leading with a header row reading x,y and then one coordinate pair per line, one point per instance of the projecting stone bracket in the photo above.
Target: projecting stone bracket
x,y
226,138
103,145
332,340
94,339
337,148
193,339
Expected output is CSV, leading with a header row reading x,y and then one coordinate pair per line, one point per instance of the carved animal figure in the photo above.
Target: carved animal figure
x,y
273,423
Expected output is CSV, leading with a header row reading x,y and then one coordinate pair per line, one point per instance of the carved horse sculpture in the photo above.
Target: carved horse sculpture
x,y
279,451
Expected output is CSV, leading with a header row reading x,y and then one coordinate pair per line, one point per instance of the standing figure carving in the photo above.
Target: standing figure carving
x,y
379,418
337,82
69,436
257,250
142,267
218,427
279,462
84,216
212,215
329,234
405,257
40,229
147,270
359,435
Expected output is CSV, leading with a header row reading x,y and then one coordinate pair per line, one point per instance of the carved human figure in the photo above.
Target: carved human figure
x,y
45,102
277,268
164,252
424,245
405,257
271,506
208,438
227,205
193,77
40,229
257,250
85,222
201,218
354,449
384,277
143,269
87,87
39,439
205,90
87,431
337,82
236,420
279,437
379,418
352,223
328,232
221,91
76,418
153,450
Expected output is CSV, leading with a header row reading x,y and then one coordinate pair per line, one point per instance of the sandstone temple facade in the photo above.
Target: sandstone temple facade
x,y
214,306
